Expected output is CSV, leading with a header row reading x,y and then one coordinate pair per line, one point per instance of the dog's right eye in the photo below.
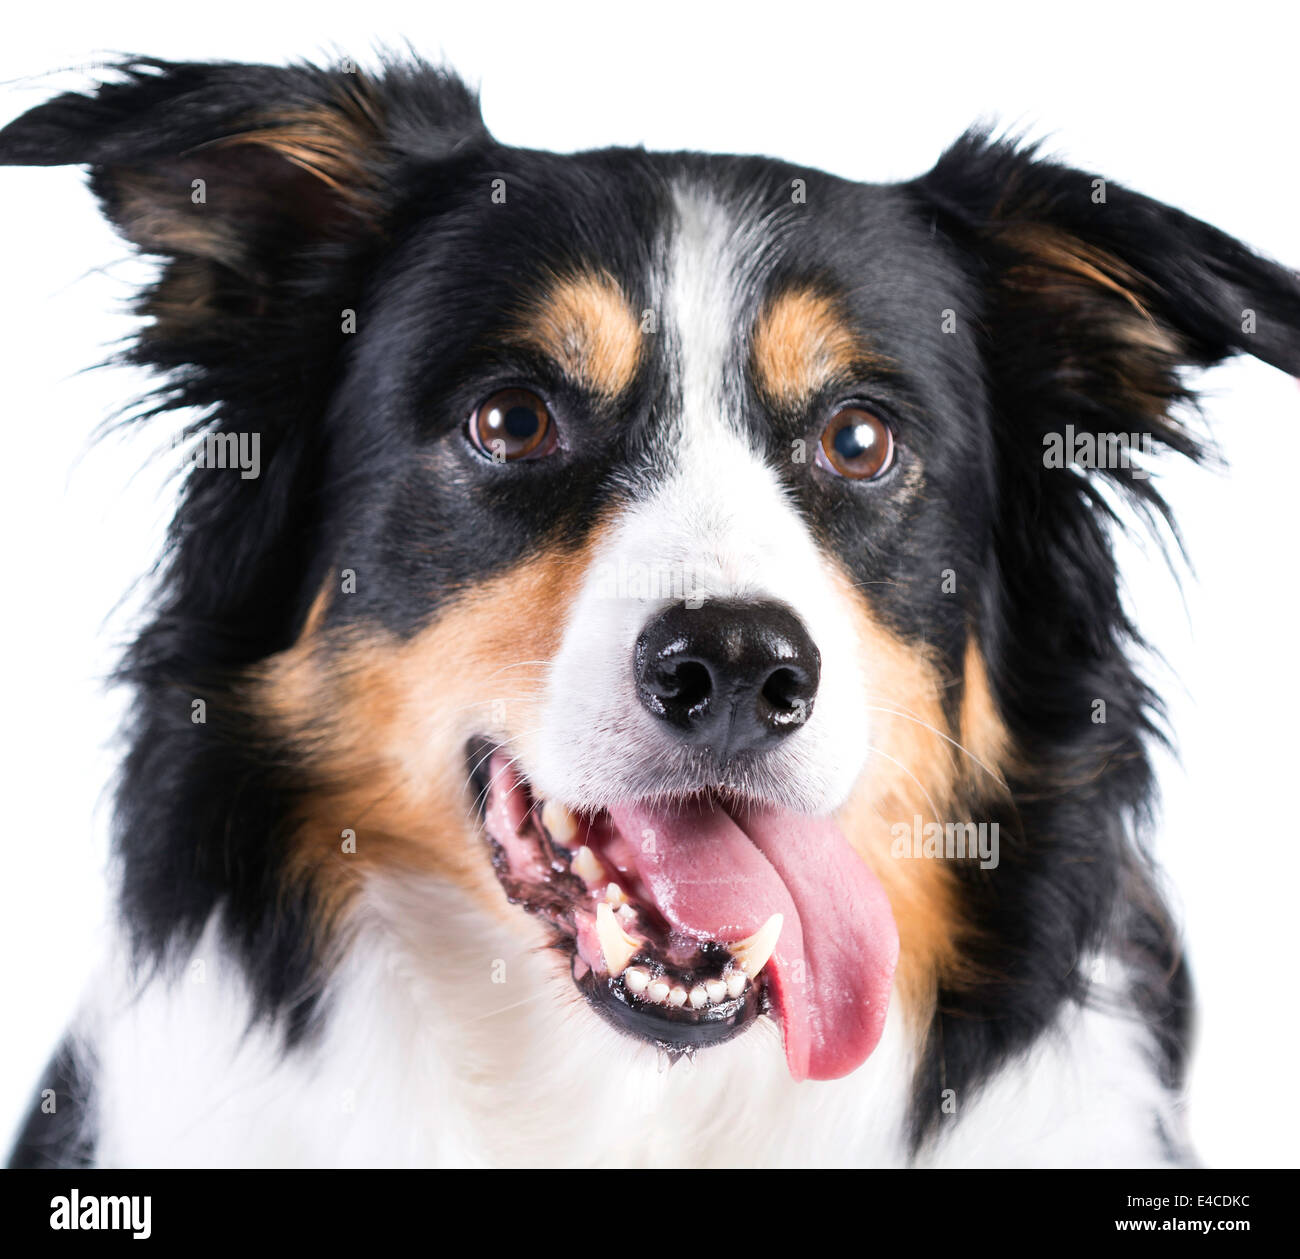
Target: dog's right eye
x,y
512,424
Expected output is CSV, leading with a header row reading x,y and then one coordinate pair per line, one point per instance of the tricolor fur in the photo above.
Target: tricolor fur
x,y
318,963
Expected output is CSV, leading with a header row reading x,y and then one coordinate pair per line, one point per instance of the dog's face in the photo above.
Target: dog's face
x,y
655,491
650,543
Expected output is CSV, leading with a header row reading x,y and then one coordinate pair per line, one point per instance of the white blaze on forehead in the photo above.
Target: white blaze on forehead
x,y
717,524
706,273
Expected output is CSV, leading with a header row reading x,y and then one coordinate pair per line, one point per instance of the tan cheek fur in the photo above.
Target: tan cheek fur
x,y
380,725
914,770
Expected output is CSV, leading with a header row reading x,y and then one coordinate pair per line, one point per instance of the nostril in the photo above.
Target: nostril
x,y
680,689
787,697
690,683
781,689
673,682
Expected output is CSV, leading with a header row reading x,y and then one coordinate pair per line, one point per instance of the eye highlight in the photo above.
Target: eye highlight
x,y
512,424
857,444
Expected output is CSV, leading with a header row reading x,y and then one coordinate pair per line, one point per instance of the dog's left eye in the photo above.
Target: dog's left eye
x,y
512,424
857,444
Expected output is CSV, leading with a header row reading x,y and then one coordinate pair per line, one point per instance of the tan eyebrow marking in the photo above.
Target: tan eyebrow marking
x,y
586,324
802,340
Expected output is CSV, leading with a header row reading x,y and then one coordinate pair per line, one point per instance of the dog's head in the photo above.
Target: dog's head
x,y
687,547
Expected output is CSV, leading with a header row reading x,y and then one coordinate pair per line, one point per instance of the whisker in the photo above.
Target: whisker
x,y
514,1005
934,810
481,795
907,716
517,664
486,703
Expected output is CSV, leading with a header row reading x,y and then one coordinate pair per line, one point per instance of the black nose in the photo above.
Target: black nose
x,y
732,675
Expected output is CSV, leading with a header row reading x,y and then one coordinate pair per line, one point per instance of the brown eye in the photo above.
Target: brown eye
x,y
511,424
858,444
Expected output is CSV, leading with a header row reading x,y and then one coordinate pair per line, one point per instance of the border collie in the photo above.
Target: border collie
x,y
638,675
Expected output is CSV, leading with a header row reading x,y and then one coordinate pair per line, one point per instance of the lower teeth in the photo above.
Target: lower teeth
x,y
659,991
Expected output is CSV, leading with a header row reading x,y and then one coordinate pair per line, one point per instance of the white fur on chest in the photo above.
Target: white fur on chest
x,y
449,1041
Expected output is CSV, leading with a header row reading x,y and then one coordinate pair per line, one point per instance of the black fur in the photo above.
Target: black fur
x,y
59,1131
363,458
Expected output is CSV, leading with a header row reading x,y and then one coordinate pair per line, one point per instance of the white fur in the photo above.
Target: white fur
x,y
424,1060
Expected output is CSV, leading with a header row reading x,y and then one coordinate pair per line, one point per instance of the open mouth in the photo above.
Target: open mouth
x,y
685,921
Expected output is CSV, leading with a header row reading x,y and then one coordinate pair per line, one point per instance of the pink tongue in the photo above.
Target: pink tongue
x,y
720,879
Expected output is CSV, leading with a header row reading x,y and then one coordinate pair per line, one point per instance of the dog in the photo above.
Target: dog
x,y
637,677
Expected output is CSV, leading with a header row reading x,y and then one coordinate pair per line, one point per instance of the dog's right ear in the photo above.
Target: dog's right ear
x,y
231,171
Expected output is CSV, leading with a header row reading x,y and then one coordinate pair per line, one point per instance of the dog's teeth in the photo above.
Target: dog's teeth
x,y
677,996
625,913
618,947
699,998
753,952
636,979
657,992
717,991
614,894
586,866
736,983
561,825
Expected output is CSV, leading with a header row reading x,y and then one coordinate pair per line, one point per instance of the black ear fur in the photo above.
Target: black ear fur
x,y
230,170
1195,280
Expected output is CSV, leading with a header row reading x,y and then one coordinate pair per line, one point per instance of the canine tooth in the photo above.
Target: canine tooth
x,y
561,825
717,991
753,952
614,894
585,865
736,983
657,992
677,996
699,998
618,947
636,979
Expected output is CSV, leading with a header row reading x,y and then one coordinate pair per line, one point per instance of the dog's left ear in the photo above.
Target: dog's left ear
x,y
1097,295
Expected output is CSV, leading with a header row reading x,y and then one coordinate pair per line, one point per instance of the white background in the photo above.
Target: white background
x,y
1194,107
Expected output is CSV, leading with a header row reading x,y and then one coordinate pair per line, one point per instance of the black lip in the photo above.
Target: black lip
x,y
678,1030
